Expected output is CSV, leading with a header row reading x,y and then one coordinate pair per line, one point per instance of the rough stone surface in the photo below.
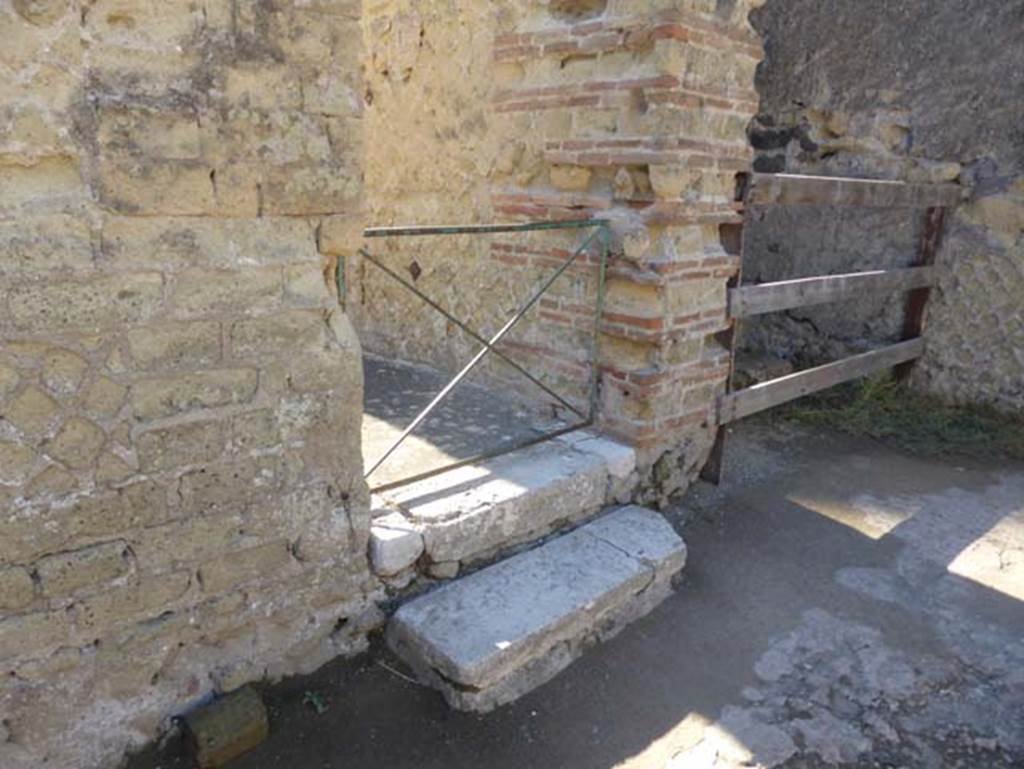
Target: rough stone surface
x,y
491,637
620,460
16,588
912,90
444,570
182,506
67,572
395,545
473,512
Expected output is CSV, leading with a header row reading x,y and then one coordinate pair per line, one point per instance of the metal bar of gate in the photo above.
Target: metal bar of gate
x,y
481,229
601,228
483,457
477,337
595,350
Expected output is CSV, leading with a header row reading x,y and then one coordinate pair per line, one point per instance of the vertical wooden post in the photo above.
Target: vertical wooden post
x,y
917,300
712,472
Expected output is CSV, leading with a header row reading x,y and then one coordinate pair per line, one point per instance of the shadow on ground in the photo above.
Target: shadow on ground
x,y
473,420
844,605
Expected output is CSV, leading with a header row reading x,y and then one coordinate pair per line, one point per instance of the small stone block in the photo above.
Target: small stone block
x,y
444,570
227,728
395,545
619,458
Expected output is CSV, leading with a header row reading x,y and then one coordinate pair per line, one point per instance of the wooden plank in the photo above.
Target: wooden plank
x,y
794,190
931,241
747,301
778,391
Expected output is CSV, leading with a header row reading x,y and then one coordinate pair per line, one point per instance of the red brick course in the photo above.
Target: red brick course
x,y
654,405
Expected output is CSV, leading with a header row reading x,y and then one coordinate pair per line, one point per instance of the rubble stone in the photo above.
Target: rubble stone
x,y
65,573
395,545
16,588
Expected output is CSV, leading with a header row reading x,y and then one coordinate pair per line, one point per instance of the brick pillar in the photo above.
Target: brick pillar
x,y
637,112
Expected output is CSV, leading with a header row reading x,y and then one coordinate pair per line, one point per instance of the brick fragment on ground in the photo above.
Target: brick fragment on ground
x,y
227,728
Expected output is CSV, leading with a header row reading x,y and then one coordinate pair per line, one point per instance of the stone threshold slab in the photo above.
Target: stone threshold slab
x,y
488,638
469,512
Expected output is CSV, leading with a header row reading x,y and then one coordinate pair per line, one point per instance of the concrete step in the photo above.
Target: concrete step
x,y
472,514
490,637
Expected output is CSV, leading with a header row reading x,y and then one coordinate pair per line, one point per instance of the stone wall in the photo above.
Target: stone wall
x,y
914,90
427,161
635,112
181,501
180,393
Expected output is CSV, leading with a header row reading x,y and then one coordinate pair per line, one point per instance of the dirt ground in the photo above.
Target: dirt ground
x,y
844,605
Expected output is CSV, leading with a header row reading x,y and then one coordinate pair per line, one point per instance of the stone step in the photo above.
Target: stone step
x,y
492,636
472,513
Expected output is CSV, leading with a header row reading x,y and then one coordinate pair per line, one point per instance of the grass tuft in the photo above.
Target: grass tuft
x,y
887,411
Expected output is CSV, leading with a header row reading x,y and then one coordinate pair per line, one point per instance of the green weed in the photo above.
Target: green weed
x,y
886,410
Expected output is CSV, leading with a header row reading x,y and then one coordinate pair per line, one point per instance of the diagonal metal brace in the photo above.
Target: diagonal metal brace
x,y
426,299
489,346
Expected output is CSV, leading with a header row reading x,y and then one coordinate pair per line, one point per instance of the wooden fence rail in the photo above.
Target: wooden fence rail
x,y
761,397
747,301
765,190
791,190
